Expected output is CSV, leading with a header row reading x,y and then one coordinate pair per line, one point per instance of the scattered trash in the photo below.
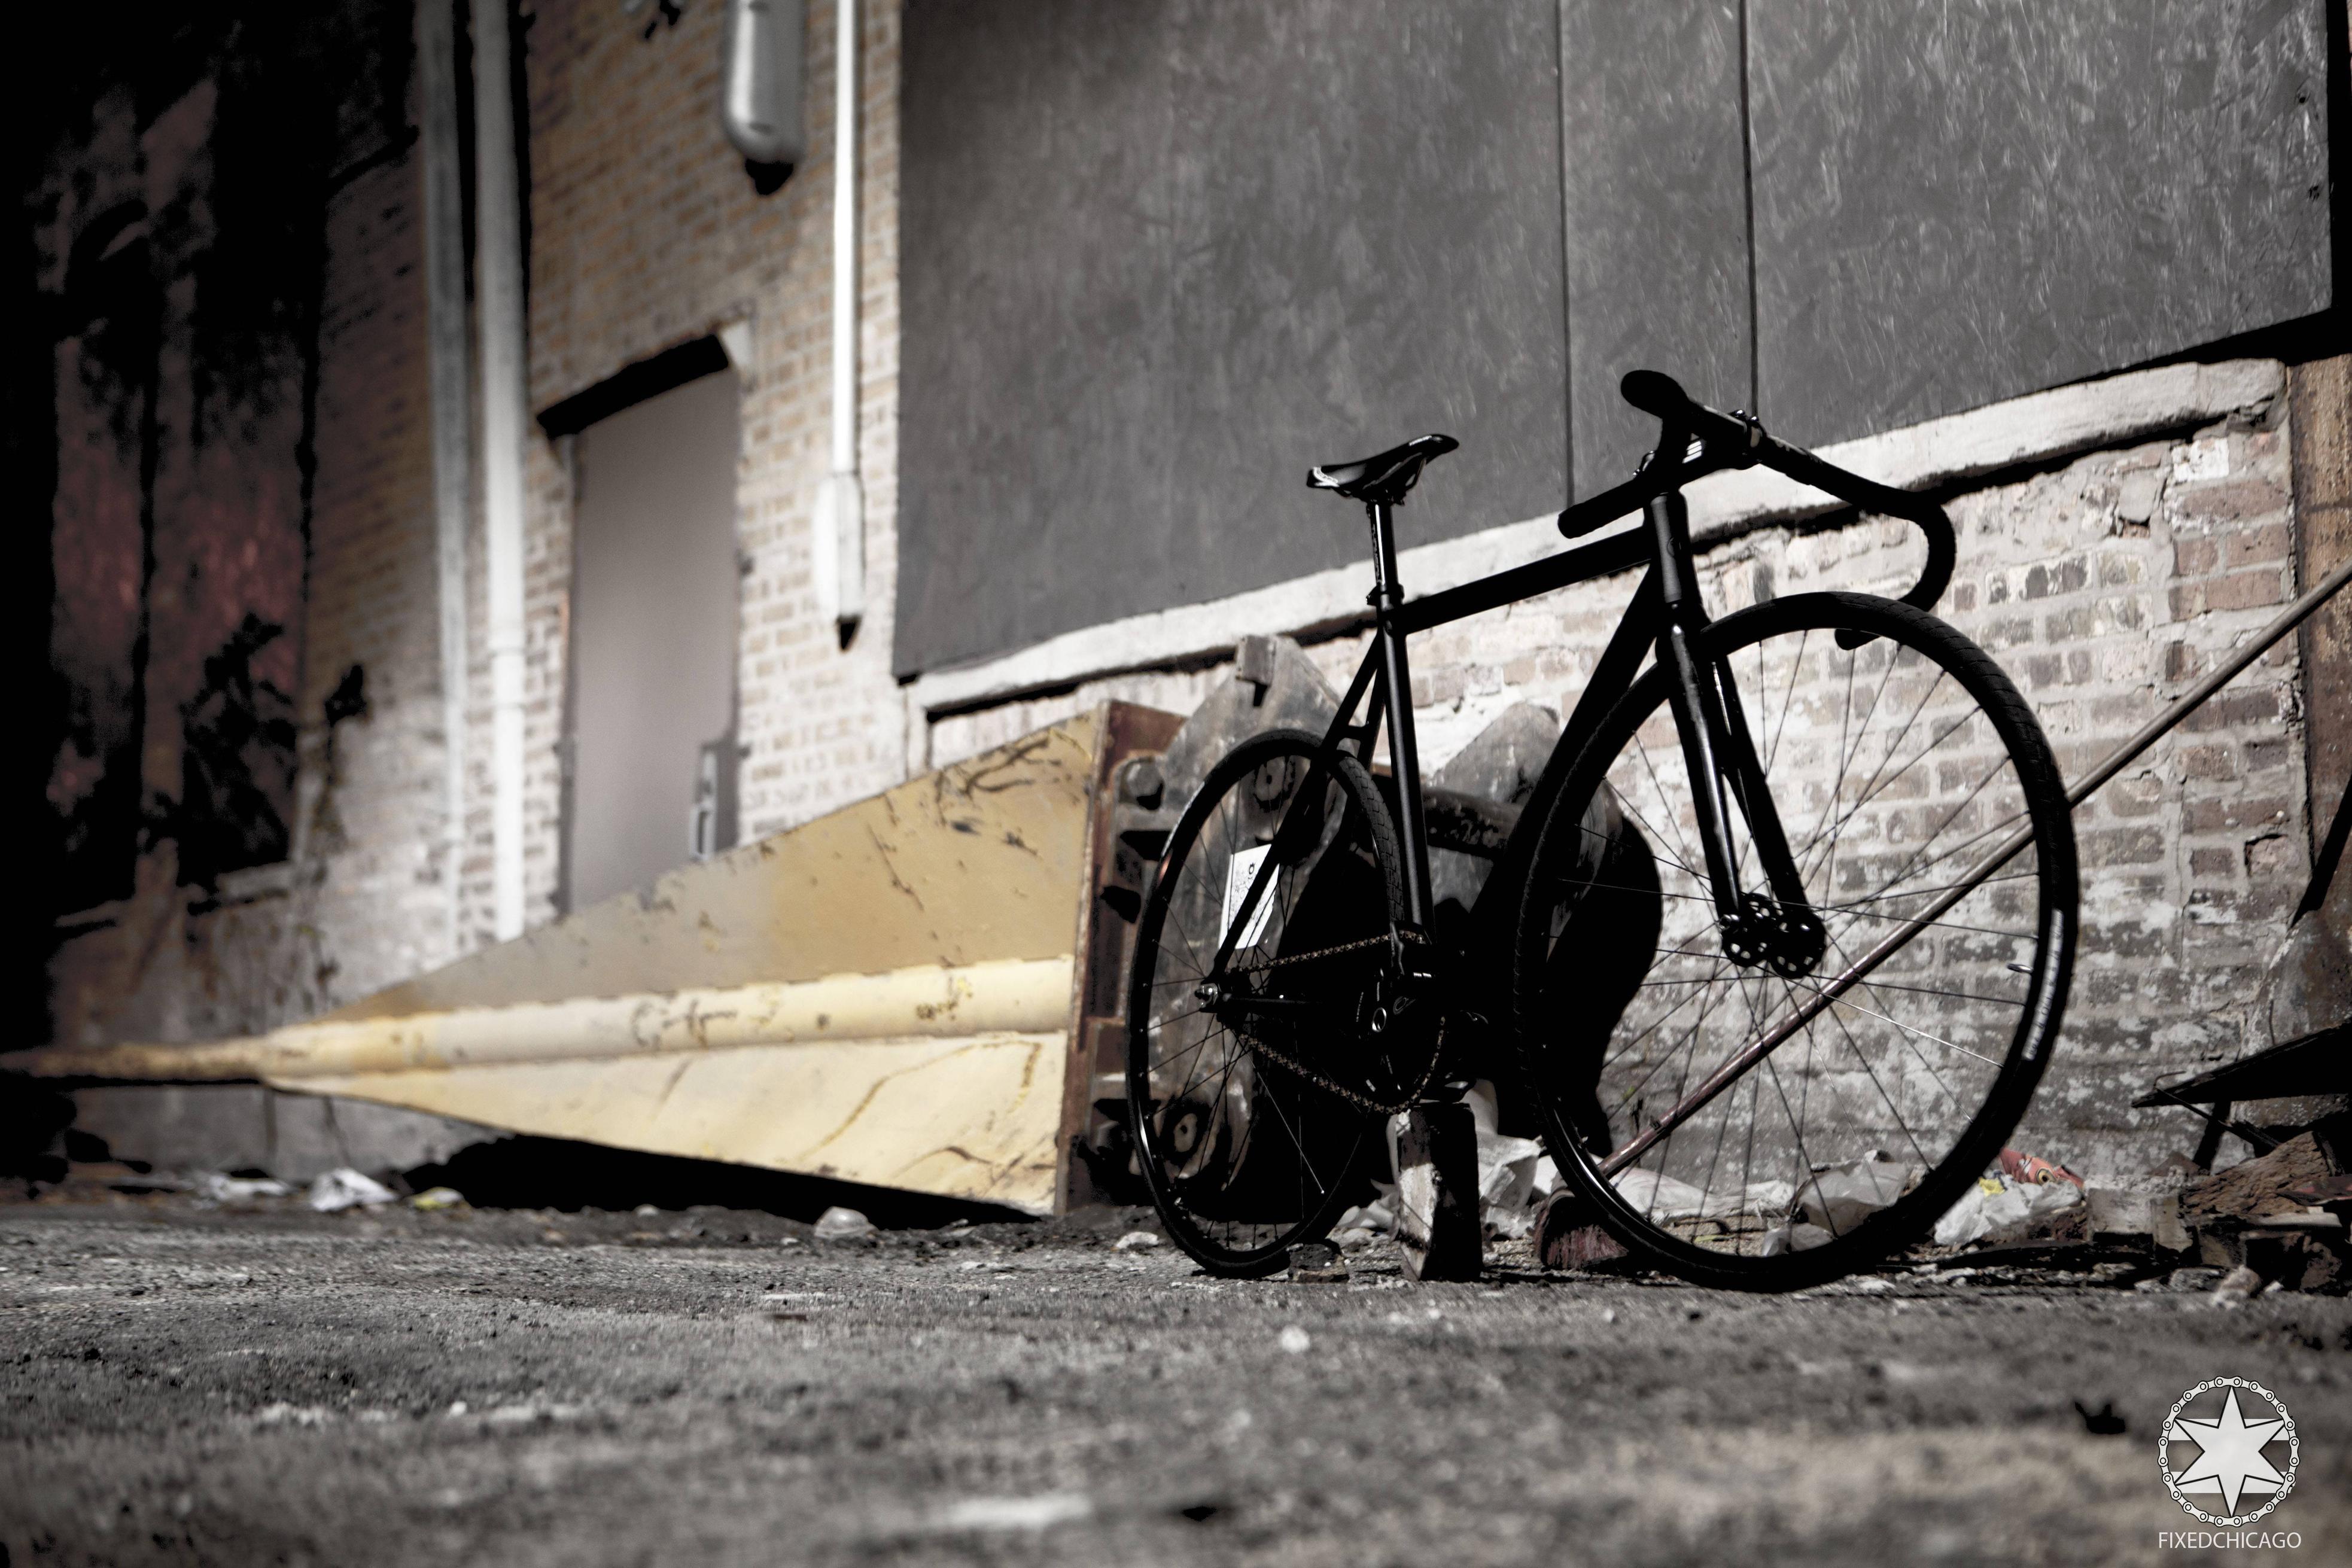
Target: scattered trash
x,y
2182,1281
1317,1263
1794,1236
1295,1340
214,1187
1660,1195
839,1223
1999,1209
344,1187
2034,1169
434,1199
1840,1198
1379,1218
1513,1173
1137,1241
1016,1512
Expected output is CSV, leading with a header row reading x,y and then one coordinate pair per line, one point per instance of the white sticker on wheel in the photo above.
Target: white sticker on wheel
x,y
1239,874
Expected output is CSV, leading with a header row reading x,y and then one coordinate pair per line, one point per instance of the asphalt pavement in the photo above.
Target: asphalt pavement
x,y
225,1385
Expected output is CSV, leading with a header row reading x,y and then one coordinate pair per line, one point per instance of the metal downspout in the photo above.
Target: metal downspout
x,y
504,394
839,535
452,418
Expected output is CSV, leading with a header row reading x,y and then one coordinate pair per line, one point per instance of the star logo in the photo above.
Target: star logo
x,y
2238,1448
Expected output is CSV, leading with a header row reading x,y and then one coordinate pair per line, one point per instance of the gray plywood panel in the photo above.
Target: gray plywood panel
x,y
1657,216
1034,385
1959,201
1160,257
1368,226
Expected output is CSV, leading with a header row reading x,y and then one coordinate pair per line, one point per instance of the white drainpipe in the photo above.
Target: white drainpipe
x,y
499,290
449,373
838,540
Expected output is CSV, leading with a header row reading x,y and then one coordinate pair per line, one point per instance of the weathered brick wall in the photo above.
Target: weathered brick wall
x,y
2104,586
361,901
646,232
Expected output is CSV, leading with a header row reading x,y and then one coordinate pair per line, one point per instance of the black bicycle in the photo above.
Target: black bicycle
x,y
1778,947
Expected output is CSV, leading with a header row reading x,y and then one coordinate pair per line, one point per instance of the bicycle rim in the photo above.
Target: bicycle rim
x,y
1897,768
1245,1155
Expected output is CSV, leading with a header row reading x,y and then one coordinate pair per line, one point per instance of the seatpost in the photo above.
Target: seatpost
x,y
1388,597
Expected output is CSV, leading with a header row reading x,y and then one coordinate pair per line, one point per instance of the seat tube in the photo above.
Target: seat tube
x,y
1396,674
1696,719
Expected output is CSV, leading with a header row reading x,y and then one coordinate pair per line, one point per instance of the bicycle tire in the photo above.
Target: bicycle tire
x,y
1917,1105
1244,1158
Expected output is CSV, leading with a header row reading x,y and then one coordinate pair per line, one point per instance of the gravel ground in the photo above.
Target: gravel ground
x,y
180,1385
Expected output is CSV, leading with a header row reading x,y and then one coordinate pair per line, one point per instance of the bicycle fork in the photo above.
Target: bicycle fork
x,y
1719,755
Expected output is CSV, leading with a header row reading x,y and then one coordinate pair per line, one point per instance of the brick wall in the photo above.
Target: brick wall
x,y
2104,586
362,900
646,232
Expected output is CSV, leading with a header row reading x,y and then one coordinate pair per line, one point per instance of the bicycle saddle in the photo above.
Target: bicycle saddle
x,y
1383,480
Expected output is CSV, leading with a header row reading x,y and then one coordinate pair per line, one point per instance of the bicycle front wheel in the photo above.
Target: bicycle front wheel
x,y
1254,1088
1778,1098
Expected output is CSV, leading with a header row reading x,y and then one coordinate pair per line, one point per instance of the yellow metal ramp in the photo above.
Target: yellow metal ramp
x,y
892,994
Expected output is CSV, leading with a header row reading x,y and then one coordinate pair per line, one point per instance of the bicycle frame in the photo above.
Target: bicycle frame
x,y
1662,617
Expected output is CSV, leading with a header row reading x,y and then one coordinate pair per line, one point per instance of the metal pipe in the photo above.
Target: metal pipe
x,y
839,535
498,226
1015,995
447,357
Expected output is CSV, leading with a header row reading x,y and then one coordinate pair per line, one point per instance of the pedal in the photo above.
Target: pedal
x,y
1437,1192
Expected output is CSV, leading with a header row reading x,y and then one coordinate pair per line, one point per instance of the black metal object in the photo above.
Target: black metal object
x,y
2318,1063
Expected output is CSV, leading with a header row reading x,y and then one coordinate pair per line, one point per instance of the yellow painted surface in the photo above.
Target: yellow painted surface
x,y
883,994
976,861
1011,995
976,1118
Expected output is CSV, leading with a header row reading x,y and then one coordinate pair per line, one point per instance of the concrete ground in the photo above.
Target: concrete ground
x,y
182,1386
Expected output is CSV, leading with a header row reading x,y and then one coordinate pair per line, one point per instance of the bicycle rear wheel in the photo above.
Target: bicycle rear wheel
x,y
1897,768
1253,1096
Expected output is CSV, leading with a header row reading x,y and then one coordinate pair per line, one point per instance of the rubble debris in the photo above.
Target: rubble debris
x,y
2182,1281
2124,1215
344,1187
2260,1215
1317,1263
2259,1186
434,1199
1567,1236
2236,1285
1137,1241
839,1224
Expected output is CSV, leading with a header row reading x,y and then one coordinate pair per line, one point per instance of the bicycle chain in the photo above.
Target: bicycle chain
x,y
1436,1054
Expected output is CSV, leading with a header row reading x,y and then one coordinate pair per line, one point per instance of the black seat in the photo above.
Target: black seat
x,y
1383,480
